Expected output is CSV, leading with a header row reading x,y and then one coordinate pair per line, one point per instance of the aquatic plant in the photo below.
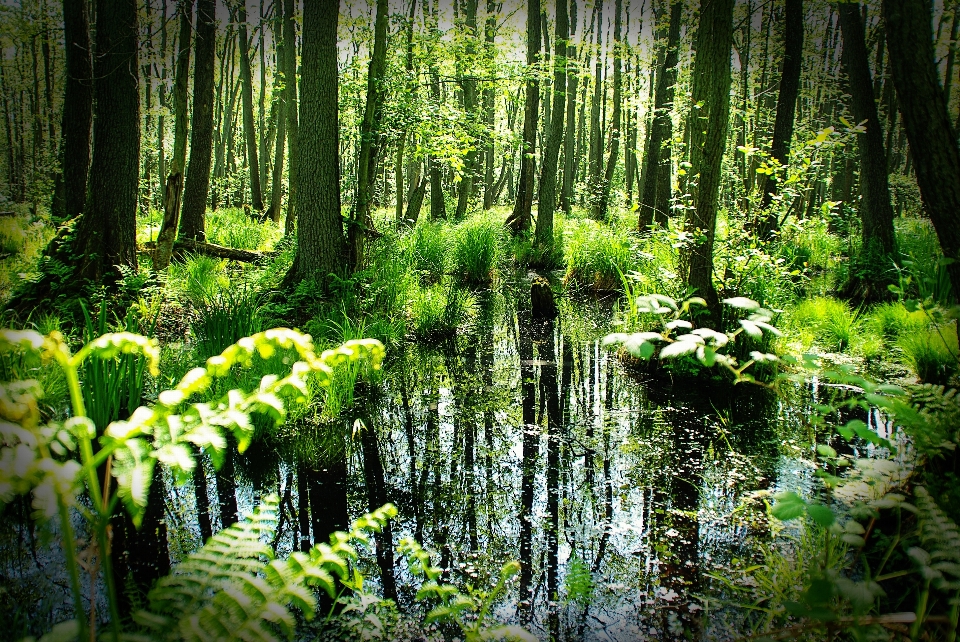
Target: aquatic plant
x,y
224,318
932,353
436,311
427,245
829,322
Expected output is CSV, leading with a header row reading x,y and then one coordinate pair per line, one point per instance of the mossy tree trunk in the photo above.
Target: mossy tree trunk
x,y
519,221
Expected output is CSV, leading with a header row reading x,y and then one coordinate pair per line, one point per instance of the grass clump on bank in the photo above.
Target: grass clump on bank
x,y
597,256
932,353
826,322
475,249
437,311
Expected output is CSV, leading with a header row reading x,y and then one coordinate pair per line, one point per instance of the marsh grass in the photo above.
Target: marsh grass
x,y
830,323
892,320
932,353
437,311
476,248
427,249
231,227
597,255
223,318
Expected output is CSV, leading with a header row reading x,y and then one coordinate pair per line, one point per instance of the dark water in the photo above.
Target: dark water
x,y
526,440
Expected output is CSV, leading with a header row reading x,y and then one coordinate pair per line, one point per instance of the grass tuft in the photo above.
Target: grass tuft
x,y
476,249
598,255
933,354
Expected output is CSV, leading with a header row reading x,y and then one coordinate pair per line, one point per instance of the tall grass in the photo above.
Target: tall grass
x,y
231,227
476,249
922,261
436,311
830,323
892,320
933,353
223,318
427,246
597,255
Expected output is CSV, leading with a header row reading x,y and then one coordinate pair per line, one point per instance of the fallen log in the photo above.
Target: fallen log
x,y
211,249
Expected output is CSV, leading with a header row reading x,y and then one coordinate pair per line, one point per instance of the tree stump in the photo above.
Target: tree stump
x,y
542,302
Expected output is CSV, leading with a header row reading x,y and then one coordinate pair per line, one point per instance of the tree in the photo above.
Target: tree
x,y
927,122
77,109
876,212
569,141
519,220
709,117
468,84
278,112
293,124
105,236
600,209
551,152
361,223
321,246
197,185
246,90
655,199
786,104
174,186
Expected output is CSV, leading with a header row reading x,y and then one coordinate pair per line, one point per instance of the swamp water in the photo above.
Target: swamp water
x,y
526,440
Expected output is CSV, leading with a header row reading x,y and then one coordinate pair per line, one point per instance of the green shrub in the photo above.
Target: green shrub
x,y
933,354
476,249
598,255
436,311
428,249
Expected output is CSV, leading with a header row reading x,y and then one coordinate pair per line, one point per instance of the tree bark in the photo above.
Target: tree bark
x,y
361,224
932,139
519,220
174,185
469,86
293,125
278,112
603,203
569,141
321,246
876,212
197,184
106,233
249,132
654,203
543,239
489,107
77,108
786,104
708,134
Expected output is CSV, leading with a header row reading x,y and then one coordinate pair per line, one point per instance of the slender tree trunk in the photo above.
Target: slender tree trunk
x,y
876,213
786,104
924,111
77,109
276,185
249,132
569,140
321,246
708,134
262,107
600,210
293,125
469,86
197,185
543,240
489,107
654,205
519,221
174,187
596,141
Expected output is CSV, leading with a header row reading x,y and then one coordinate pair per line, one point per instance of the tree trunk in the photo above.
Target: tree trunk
x,y
106,234
489,107
543,240
603,203
361,223
932,139
655,205
596,124
469,86
569,139
786,104
321,246
519,220
708,135
197,184
293,125
249,132
174,186
280,121
77,108
876,213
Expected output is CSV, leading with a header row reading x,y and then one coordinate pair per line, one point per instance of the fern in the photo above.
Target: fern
x,y
234,589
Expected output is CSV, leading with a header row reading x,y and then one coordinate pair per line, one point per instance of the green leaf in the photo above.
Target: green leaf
x,y
789,506
821,514
742,303
678,349
826,451
751,329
